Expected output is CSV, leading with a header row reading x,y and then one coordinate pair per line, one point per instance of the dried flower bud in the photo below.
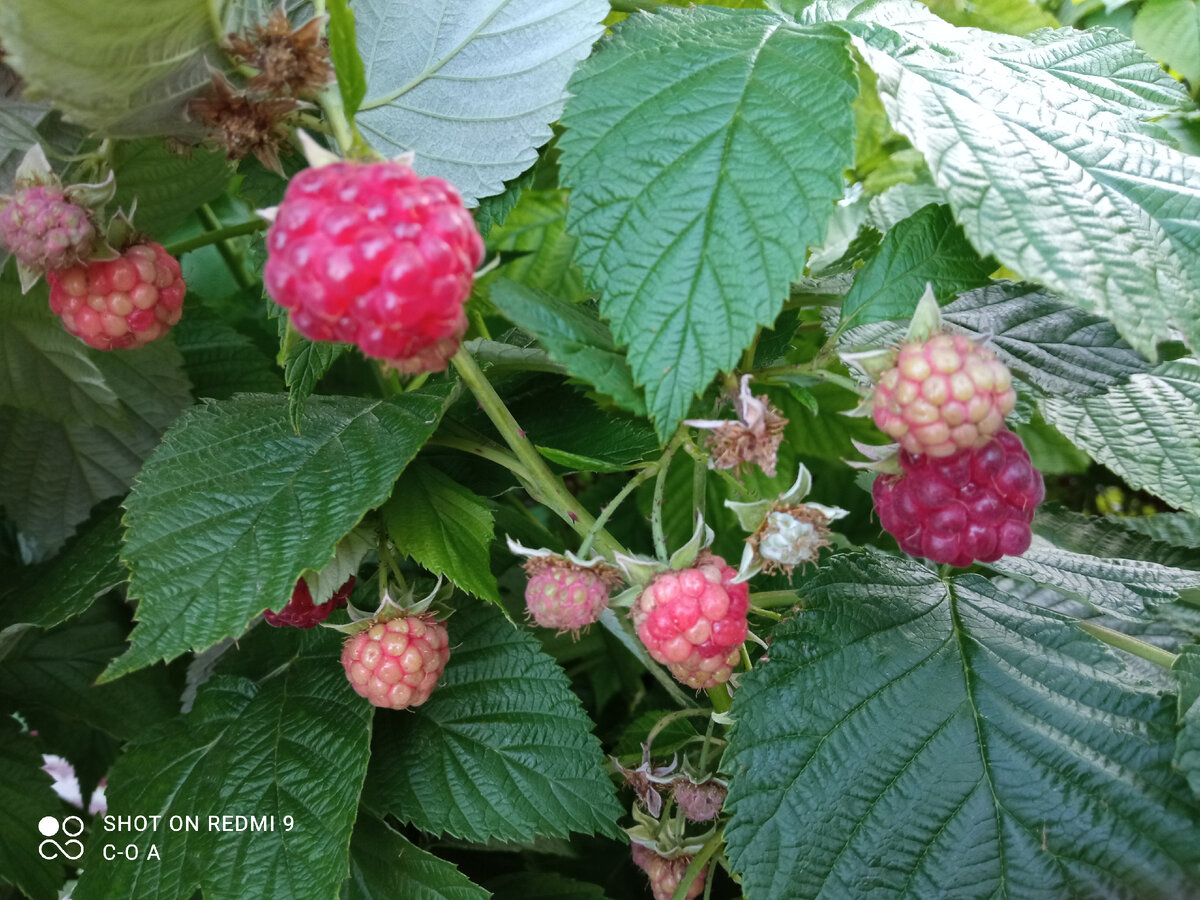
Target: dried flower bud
x,y
754,437
242,125
287,61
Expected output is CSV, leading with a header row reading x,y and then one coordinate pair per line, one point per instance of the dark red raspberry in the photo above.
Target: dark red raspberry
x,y
975,504
301,612
374,255
122,303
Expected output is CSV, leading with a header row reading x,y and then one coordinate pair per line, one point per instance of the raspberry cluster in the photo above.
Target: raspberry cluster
x,y
122,303
976,504
373,255
665,874
45,230
694,621
943,395
397,663
301,612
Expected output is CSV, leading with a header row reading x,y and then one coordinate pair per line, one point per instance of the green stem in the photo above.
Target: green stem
x,y
699,486
232,260
815,372
701,458
720,698
611,506
216,233
699,861
543,485
660,487
708,736
771,599
483,451
1129,644
632,6
673,717
760,611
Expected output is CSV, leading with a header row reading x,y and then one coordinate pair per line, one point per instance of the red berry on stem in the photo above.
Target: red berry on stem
x,y
122,303
374,255
301,612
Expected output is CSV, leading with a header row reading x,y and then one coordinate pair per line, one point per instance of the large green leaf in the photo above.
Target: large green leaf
x,y
1147,431
291,747
167,185
572,337
220,360
926,248
705,150
502,749
536,229
919,737
470,86
107,64
25,797
1042,149
1118,537
234,505
383,863
66,585
445,527
1187,749
1177,529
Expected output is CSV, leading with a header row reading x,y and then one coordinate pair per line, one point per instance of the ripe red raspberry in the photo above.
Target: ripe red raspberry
x,y
973,505
397,663
374,255
943,395
665,874
45,230
122,303
301,612
694,621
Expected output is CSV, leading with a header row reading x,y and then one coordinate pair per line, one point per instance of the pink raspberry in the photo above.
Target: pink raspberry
x,y
122,303
943,395
973,505
565,596
45,230
374,255
301,612
699,802
694,621
665,874
397,663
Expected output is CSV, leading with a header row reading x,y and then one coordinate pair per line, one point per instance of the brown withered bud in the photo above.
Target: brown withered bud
x,y
699,802
242,125
287,61
754,437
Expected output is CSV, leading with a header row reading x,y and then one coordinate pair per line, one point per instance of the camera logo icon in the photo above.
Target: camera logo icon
x,y
70,828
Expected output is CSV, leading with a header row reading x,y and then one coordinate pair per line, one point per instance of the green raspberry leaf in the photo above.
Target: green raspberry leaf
x,y
985,707
502,749
281,502
166,185
470,88
383,863
1170,30
108,65
294,745
704,149
343,49
1147,430
1045,151
572,337
444,527
928,247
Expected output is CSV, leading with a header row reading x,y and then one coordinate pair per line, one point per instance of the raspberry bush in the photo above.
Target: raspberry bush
x,y
744,449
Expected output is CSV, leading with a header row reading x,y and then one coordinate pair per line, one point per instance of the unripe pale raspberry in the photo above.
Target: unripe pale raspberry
x,y
694,621
943,395
44,230
397,663
122,303
973,505
301,612
665,874
699,802
372,254
566,597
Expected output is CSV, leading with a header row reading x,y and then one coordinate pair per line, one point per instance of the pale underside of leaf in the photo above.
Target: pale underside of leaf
x,y
1147,431
470,86
1042,149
